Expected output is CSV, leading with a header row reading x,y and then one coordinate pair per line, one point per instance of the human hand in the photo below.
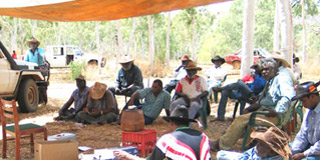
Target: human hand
x,y
298,156
85,110
119,154
94,112
118,91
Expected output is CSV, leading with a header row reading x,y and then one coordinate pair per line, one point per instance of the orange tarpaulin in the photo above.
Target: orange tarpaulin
x,y
98,10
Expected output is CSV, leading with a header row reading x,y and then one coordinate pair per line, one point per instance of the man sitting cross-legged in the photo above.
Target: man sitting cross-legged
x,y
240,91
101,106
190,90
275,98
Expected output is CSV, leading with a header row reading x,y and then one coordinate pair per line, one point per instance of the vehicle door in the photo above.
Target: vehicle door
x,y
4,73
59,58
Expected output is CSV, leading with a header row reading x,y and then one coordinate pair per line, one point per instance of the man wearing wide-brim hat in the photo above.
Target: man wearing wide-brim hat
x,y
178,73
182,143
190,90
129,78
271,144
101,106
35,54
216,74
307,141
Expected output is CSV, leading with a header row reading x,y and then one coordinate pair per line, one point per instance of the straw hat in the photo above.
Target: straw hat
x,y
185,58
33,40
192,65
305,89
218,58
97,90
179,113
276,139
125,59
278,56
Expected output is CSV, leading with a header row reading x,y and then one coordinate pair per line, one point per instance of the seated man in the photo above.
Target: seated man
x,y
190,90
155,99
240,91
216,73
129,78
79,97
179,73
100,108
275,98
182,143
306,144
272,144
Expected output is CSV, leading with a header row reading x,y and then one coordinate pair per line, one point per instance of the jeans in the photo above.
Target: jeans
x,y
238,91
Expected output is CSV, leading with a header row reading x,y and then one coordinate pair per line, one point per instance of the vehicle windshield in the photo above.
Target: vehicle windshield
x,y
77,51
264,53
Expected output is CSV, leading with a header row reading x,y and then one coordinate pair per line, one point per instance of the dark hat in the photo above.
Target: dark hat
x,y
179,113
81,77
305,89
185,58
192,65
275,138
218,58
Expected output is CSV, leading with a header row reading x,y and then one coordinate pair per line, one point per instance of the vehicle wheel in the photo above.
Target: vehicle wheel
x,y
28,97
93,63
236,64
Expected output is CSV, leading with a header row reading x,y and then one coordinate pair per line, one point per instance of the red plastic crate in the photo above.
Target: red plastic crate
x,y
144,140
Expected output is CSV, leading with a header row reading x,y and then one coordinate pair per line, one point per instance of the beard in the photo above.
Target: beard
x,y
127,67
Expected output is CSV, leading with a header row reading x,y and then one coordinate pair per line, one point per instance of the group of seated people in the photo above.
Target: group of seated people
x,y
97,105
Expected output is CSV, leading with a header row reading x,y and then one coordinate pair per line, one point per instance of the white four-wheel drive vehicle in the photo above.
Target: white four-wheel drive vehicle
x,y
62,55
23,81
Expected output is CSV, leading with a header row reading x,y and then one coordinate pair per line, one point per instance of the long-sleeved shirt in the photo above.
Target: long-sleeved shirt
x,y
257,85
277,95
309,134
126,78
250,154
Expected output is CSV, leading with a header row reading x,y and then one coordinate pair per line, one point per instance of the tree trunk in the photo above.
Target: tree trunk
x,y
194,38
247,37
97,36
304,33
119,40
21,36
286,30
151,44
34,28
131,35
14,37
168,42
276,36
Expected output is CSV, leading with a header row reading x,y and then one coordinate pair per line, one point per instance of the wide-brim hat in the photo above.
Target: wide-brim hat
x,y
179,113
185,58
275,138
125,59
278,56
192,65
218,58
305,89
32,40
97,90
80,77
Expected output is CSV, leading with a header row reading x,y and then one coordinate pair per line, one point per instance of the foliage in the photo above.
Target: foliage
x,y
76,68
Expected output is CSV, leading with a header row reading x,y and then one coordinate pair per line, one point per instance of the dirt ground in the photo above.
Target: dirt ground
x,y
105,136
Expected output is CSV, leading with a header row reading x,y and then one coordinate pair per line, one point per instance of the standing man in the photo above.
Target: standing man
x,y
275,98
79,97
179,73
182,143
190,90
35,54
129,78
101,106
306,144
155,99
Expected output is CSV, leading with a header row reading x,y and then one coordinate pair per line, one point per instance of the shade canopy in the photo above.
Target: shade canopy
x,y
93,10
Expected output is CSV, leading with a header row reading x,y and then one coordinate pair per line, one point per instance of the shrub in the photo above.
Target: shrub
x,y
76,68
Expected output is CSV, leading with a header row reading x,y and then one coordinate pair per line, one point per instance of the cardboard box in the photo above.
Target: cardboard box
x,y
54,150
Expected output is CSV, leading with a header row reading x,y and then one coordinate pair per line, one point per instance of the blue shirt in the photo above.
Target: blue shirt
x,y
277,96
126,78
79,99
250,154
36,57
309,134
257,85
152,105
